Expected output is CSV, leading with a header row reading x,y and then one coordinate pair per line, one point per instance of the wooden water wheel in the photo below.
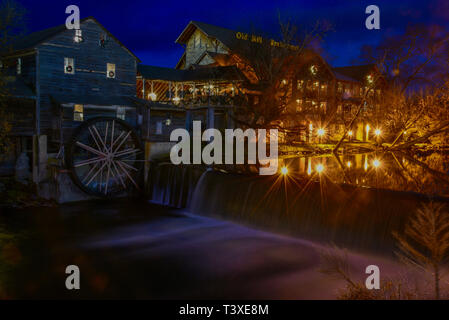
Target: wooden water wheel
x,y
105,157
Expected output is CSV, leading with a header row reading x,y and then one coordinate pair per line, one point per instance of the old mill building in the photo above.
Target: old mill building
x,y
58,79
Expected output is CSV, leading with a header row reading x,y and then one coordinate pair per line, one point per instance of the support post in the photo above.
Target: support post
x,y
210,117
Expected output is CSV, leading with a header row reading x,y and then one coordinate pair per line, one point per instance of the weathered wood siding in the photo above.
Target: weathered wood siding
x,y
90,60
198,44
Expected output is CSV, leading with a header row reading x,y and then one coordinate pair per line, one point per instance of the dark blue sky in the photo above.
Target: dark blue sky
x,y
149,28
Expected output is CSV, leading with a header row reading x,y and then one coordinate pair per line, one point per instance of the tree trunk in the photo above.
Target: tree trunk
x,y
439,129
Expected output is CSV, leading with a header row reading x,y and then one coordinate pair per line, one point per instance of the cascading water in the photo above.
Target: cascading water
x,y
172,185
320,210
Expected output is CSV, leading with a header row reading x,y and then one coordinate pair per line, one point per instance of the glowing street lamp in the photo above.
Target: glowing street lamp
x,y
152,96
350,133
349,164
377,132
284,171
321,133
376,163
319,168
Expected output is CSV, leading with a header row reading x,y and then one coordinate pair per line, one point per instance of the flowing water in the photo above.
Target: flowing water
x,y
352,200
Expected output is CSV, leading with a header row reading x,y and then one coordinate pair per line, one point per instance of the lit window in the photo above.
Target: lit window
x,y
159,127
19,66
323,106
110,71
299,105
121,113
313,70
69,65
323,87
340,87
300,84
78,35
78,112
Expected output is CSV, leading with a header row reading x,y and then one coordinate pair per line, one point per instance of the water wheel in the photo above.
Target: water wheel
x,y
105,157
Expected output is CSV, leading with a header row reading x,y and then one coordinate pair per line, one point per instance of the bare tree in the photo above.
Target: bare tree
x,y
415,59
271,66
425,243
415,67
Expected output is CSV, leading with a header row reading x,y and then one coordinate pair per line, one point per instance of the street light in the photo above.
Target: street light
x,y
319,168
377,132
284,171
376,163
320,133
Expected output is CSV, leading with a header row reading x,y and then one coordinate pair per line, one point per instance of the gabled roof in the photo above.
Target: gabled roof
x,y
354,73
221,59
32,40
225,36
228,73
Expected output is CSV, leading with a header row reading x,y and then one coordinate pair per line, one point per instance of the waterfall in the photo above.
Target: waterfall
x,y
172,185
319,210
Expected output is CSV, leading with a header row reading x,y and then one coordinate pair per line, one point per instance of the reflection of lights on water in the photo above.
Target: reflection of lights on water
x,y
349,164
321,132
376,163
319,168
284,170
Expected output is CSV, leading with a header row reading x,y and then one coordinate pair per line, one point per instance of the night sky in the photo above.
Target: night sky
x,y
149,28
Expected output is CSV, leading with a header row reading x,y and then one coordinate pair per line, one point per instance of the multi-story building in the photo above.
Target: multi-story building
x,y
323,96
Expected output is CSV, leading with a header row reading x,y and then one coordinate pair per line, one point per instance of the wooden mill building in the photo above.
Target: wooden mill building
x,y
58,78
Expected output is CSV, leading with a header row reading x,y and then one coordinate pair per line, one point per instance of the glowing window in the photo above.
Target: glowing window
x,y
110,73
69,66
78,35
78,112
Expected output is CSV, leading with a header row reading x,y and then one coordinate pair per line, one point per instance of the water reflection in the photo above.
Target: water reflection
x,y
427,174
